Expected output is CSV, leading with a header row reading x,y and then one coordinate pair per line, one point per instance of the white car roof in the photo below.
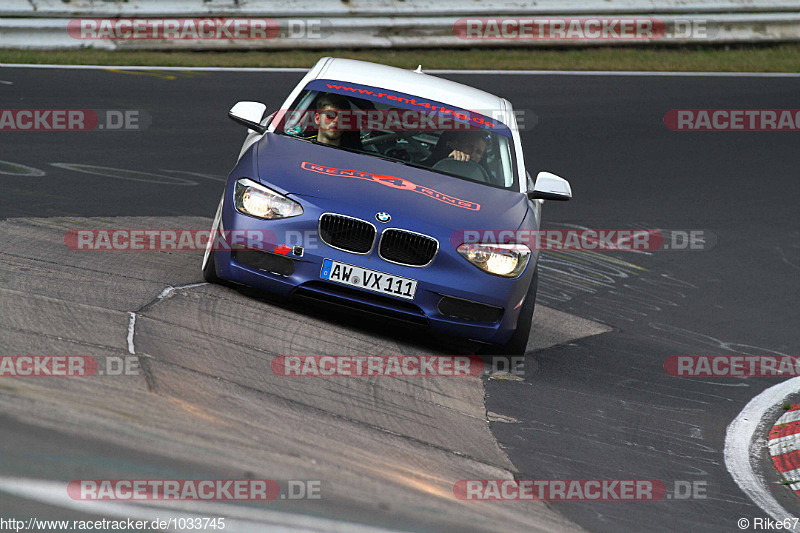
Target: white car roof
x,y
411,82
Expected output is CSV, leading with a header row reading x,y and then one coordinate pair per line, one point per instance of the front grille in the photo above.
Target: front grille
x,y
407,248
346,233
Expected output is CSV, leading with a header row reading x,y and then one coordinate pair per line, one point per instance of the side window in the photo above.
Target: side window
x,y
296,119
492,158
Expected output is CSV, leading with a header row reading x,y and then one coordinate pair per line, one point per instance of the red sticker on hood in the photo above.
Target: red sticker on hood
x,y
391,181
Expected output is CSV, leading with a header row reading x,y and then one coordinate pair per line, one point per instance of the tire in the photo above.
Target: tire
x,y
209,261
210,270
519,340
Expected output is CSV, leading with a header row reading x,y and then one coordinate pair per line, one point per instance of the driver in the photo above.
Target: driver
x,y
329,108
469,146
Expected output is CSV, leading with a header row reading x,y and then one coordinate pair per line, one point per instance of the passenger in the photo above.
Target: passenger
x,y
465,146
469,146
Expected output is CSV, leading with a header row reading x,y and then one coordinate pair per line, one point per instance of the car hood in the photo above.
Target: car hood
x,y
339,178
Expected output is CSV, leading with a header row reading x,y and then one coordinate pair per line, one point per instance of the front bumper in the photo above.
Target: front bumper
x,y
448,276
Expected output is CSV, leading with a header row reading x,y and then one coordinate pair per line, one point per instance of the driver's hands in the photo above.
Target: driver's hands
x,y
459,155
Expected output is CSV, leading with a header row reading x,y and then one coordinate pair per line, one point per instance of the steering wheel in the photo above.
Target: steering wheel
x,y
466,169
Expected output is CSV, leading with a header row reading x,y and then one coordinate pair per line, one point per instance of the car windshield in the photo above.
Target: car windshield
x,y
421,138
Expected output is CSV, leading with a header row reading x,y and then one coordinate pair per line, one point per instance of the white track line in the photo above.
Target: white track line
x,y
131,328
618,73
169,289
142,67
429,71
163,294
740,455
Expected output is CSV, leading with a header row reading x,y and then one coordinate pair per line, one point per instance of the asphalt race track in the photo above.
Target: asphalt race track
x,y
595,401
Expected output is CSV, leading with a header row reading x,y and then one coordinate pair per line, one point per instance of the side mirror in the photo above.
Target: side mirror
x,y
249,114
550,187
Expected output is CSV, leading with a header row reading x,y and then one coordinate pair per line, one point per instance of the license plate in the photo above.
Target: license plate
x,y
371,280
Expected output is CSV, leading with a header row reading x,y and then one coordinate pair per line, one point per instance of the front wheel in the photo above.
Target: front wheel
x,y
210,269
209,261
519,340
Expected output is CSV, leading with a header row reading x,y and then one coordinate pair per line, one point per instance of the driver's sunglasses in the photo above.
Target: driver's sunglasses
x,y
331,114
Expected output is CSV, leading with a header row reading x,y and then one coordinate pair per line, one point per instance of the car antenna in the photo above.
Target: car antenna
x,y
419,70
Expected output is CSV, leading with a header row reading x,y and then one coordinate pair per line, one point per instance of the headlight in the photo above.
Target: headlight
x,y
507,260
254,199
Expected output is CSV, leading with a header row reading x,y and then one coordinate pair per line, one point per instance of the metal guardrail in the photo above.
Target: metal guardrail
x,y
315,24
379,8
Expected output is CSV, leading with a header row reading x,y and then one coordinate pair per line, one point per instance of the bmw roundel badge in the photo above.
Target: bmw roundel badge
x,y
383,217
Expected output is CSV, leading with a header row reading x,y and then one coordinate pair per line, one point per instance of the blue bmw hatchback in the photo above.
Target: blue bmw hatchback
x,y
391,191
